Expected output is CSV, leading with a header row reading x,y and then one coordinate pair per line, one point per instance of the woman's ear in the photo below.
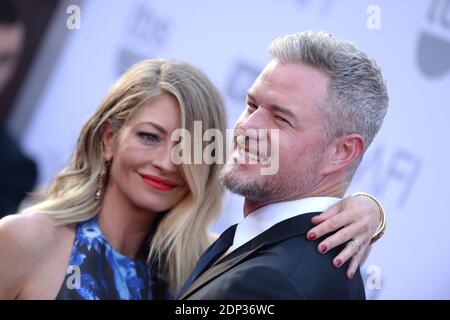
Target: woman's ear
x,y
108,139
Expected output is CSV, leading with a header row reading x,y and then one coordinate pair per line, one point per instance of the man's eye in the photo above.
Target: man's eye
x,y
148,137
251,106
282,119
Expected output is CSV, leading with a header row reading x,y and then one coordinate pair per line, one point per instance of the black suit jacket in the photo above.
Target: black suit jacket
x,y
280,263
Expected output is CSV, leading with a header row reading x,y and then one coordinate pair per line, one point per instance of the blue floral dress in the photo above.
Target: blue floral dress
x,y
96,271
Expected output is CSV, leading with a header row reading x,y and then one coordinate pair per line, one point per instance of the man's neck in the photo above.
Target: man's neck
x,y
332,189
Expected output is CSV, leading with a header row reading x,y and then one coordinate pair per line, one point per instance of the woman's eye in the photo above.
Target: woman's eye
x,y
148,137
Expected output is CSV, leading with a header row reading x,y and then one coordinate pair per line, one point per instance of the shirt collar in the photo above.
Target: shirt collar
x,y
266,217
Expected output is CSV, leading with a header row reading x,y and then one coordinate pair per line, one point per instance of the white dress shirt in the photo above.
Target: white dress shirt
x,y
266,217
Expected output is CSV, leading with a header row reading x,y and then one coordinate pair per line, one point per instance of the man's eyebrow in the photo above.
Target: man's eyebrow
x,y
283,110
156,126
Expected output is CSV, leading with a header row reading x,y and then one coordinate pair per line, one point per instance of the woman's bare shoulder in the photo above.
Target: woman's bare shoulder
x,y
27,229
25,240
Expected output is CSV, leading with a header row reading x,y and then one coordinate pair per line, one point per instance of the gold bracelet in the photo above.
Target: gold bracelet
x,y
381,229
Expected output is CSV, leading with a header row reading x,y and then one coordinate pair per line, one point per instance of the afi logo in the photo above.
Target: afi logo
x,y
433,51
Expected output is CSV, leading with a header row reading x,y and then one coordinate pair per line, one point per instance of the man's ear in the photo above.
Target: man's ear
x,y
108,139
342,152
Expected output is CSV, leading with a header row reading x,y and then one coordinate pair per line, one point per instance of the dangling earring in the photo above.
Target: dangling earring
x,y
101,180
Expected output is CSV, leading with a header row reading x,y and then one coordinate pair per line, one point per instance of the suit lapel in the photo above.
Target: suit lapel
x,y
298,225
217,269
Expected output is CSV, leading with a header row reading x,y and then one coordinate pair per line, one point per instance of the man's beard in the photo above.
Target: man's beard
x,y
268,187
253,189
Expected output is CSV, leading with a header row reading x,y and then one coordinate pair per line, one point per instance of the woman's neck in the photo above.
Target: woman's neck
x,y
124,225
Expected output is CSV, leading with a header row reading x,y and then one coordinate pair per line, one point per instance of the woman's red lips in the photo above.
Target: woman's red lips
x,y
158,183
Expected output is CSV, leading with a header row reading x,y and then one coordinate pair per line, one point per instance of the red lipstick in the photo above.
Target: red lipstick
x,y
158,183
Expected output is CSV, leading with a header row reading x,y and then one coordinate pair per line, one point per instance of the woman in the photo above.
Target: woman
x,y
122,221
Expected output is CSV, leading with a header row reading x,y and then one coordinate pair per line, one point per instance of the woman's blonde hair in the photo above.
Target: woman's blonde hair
x,y
182,234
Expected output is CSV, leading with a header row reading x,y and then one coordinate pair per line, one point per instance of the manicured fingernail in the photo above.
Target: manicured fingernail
x,y
338,263
312,236
323,248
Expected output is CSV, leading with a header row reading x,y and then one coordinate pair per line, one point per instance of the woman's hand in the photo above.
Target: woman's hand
x,y
354,218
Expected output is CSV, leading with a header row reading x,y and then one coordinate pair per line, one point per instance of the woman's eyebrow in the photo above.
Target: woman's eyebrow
x,y
156,126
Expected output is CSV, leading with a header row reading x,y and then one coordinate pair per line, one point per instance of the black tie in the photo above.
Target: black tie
x,y
214,252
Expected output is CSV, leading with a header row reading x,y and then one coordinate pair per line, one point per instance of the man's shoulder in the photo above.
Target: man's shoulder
x,y
311,270
284,254
319,278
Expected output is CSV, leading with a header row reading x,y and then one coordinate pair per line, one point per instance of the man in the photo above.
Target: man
x,y
326,100
18,173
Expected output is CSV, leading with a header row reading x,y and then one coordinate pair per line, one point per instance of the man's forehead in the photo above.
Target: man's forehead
x,y
288,81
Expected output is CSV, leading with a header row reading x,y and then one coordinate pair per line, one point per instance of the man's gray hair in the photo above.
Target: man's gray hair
x,y
357,97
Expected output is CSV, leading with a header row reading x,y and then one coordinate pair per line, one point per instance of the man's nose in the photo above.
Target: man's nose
x,y
258,119
253,131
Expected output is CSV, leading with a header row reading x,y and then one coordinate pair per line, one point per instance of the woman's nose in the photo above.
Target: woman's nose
x,y
164,162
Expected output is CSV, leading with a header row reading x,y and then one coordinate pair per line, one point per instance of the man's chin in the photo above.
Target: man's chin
x,y
250,189
245,172
242,180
